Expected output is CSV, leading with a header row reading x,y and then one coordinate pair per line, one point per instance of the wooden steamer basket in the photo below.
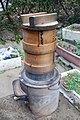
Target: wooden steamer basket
x,y
39,45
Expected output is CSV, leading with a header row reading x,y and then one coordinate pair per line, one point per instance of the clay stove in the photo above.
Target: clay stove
x,y
39,80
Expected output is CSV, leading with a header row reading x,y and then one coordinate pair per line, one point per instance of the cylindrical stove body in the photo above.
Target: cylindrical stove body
x,y
39,81
43,96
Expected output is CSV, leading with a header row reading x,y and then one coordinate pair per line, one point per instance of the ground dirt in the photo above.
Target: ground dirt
x,y
17,110
6,78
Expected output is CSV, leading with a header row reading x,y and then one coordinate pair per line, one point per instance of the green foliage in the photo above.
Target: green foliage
x,y
2,42
20,52
78,44
67,10
78,52
61,63
72,82
78,48
22,6
17,39
73,7
44,5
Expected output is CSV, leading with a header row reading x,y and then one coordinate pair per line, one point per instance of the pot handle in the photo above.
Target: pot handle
x,y
19,94
49,88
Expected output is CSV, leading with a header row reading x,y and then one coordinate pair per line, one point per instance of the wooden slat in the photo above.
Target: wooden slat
x,y
39,69
39,50
34,37
25,17
30,36
49,36
39,60
42,19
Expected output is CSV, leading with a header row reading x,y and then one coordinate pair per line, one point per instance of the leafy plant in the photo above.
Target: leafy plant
x,y
20,52
78,48
17,39
2,42
63,65
72,82
78,52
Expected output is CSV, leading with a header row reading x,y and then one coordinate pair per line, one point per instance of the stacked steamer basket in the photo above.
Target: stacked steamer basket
x,y
39,44
39,81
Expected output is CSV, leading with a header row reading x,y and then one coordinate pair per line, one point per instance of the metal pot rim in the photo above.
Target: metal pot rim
x,y
40,84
